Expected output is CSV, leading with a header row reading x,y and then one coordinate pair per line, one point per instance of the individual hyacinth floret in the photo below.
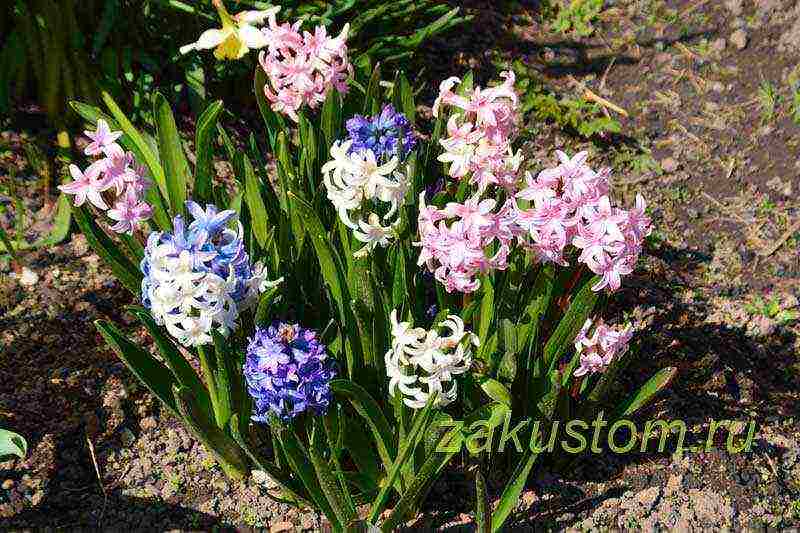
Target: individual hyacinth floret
x,y
570,204
596,351
386,134
367,192
421,363
199,278
114,179
288,371
302,68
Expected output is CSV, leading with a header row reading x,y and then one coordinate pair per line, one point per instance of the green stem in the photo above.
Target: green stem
x,y
208,376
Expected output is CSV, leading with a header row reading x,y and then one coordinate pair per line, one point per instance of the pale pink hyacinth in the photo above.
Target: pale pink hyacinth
x,y
464,240
596,351
454,241
302,68
113,179
479,133
570,205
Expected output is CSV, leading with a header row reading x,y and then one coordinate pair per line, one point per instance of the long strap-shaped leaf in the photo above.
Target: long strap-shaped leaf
x,y
419,486
299,461
639,399
569,326
176,169
342,506
288,485
183,371
224,448
513,490
203,144
150,158
152,373
365,406
407,446
124,269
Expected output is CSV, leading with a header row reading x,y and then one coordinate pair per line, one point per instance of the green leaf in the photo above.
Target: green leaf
x,y
176,169
12,444
124,269
142,148
254,201
495,390
144,366
299,461
572,322
407,446
273,122
428,473
203,145
405,97
224,448
487,310
512,491
482,518
342,507
177,363
265,302
288,485
646,392
365,406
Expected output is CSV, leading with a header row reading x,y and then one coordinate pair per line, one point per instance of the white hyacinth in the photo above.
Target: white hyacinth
x,y
422,362
356,184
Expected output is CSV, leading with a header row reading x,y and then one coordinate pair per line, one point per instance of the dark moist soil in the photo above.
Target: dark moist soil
x,y
717,163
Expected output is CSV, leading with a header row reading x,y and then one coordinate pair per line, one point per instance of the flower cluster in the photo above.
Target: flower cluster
x,y
114,178
302,68
287,371
464,240
479,133
421,363
454,240
570,205
386,134
598,350
369,175
199,278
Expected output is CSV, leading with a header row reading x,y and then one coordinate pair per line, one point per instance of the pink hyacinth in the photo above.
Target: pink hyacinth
x,y
570,206
302,68
596,351
129,211
113,179
454,241
480,130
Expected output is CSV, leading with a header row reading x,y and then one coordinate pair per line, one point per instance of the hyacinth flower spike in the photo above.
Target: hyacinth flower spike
x,y
237,36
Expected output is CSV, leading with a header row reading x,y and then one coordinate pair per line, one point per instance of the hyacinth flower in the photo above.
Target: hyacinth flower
x,y
114,179
199,278
386,134
596,351
302,68
369,175
237,36
463,240
570,205
288,372
480,130
421,363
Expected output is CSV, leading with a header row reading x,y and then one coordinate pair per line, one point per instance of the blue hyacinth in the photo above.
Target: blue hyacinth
x,y
199,277
288,372
386,134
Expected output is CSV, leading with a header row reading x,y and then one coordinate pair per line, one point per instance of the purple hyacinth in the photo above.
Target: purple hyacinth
x,y
287,371
386,134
